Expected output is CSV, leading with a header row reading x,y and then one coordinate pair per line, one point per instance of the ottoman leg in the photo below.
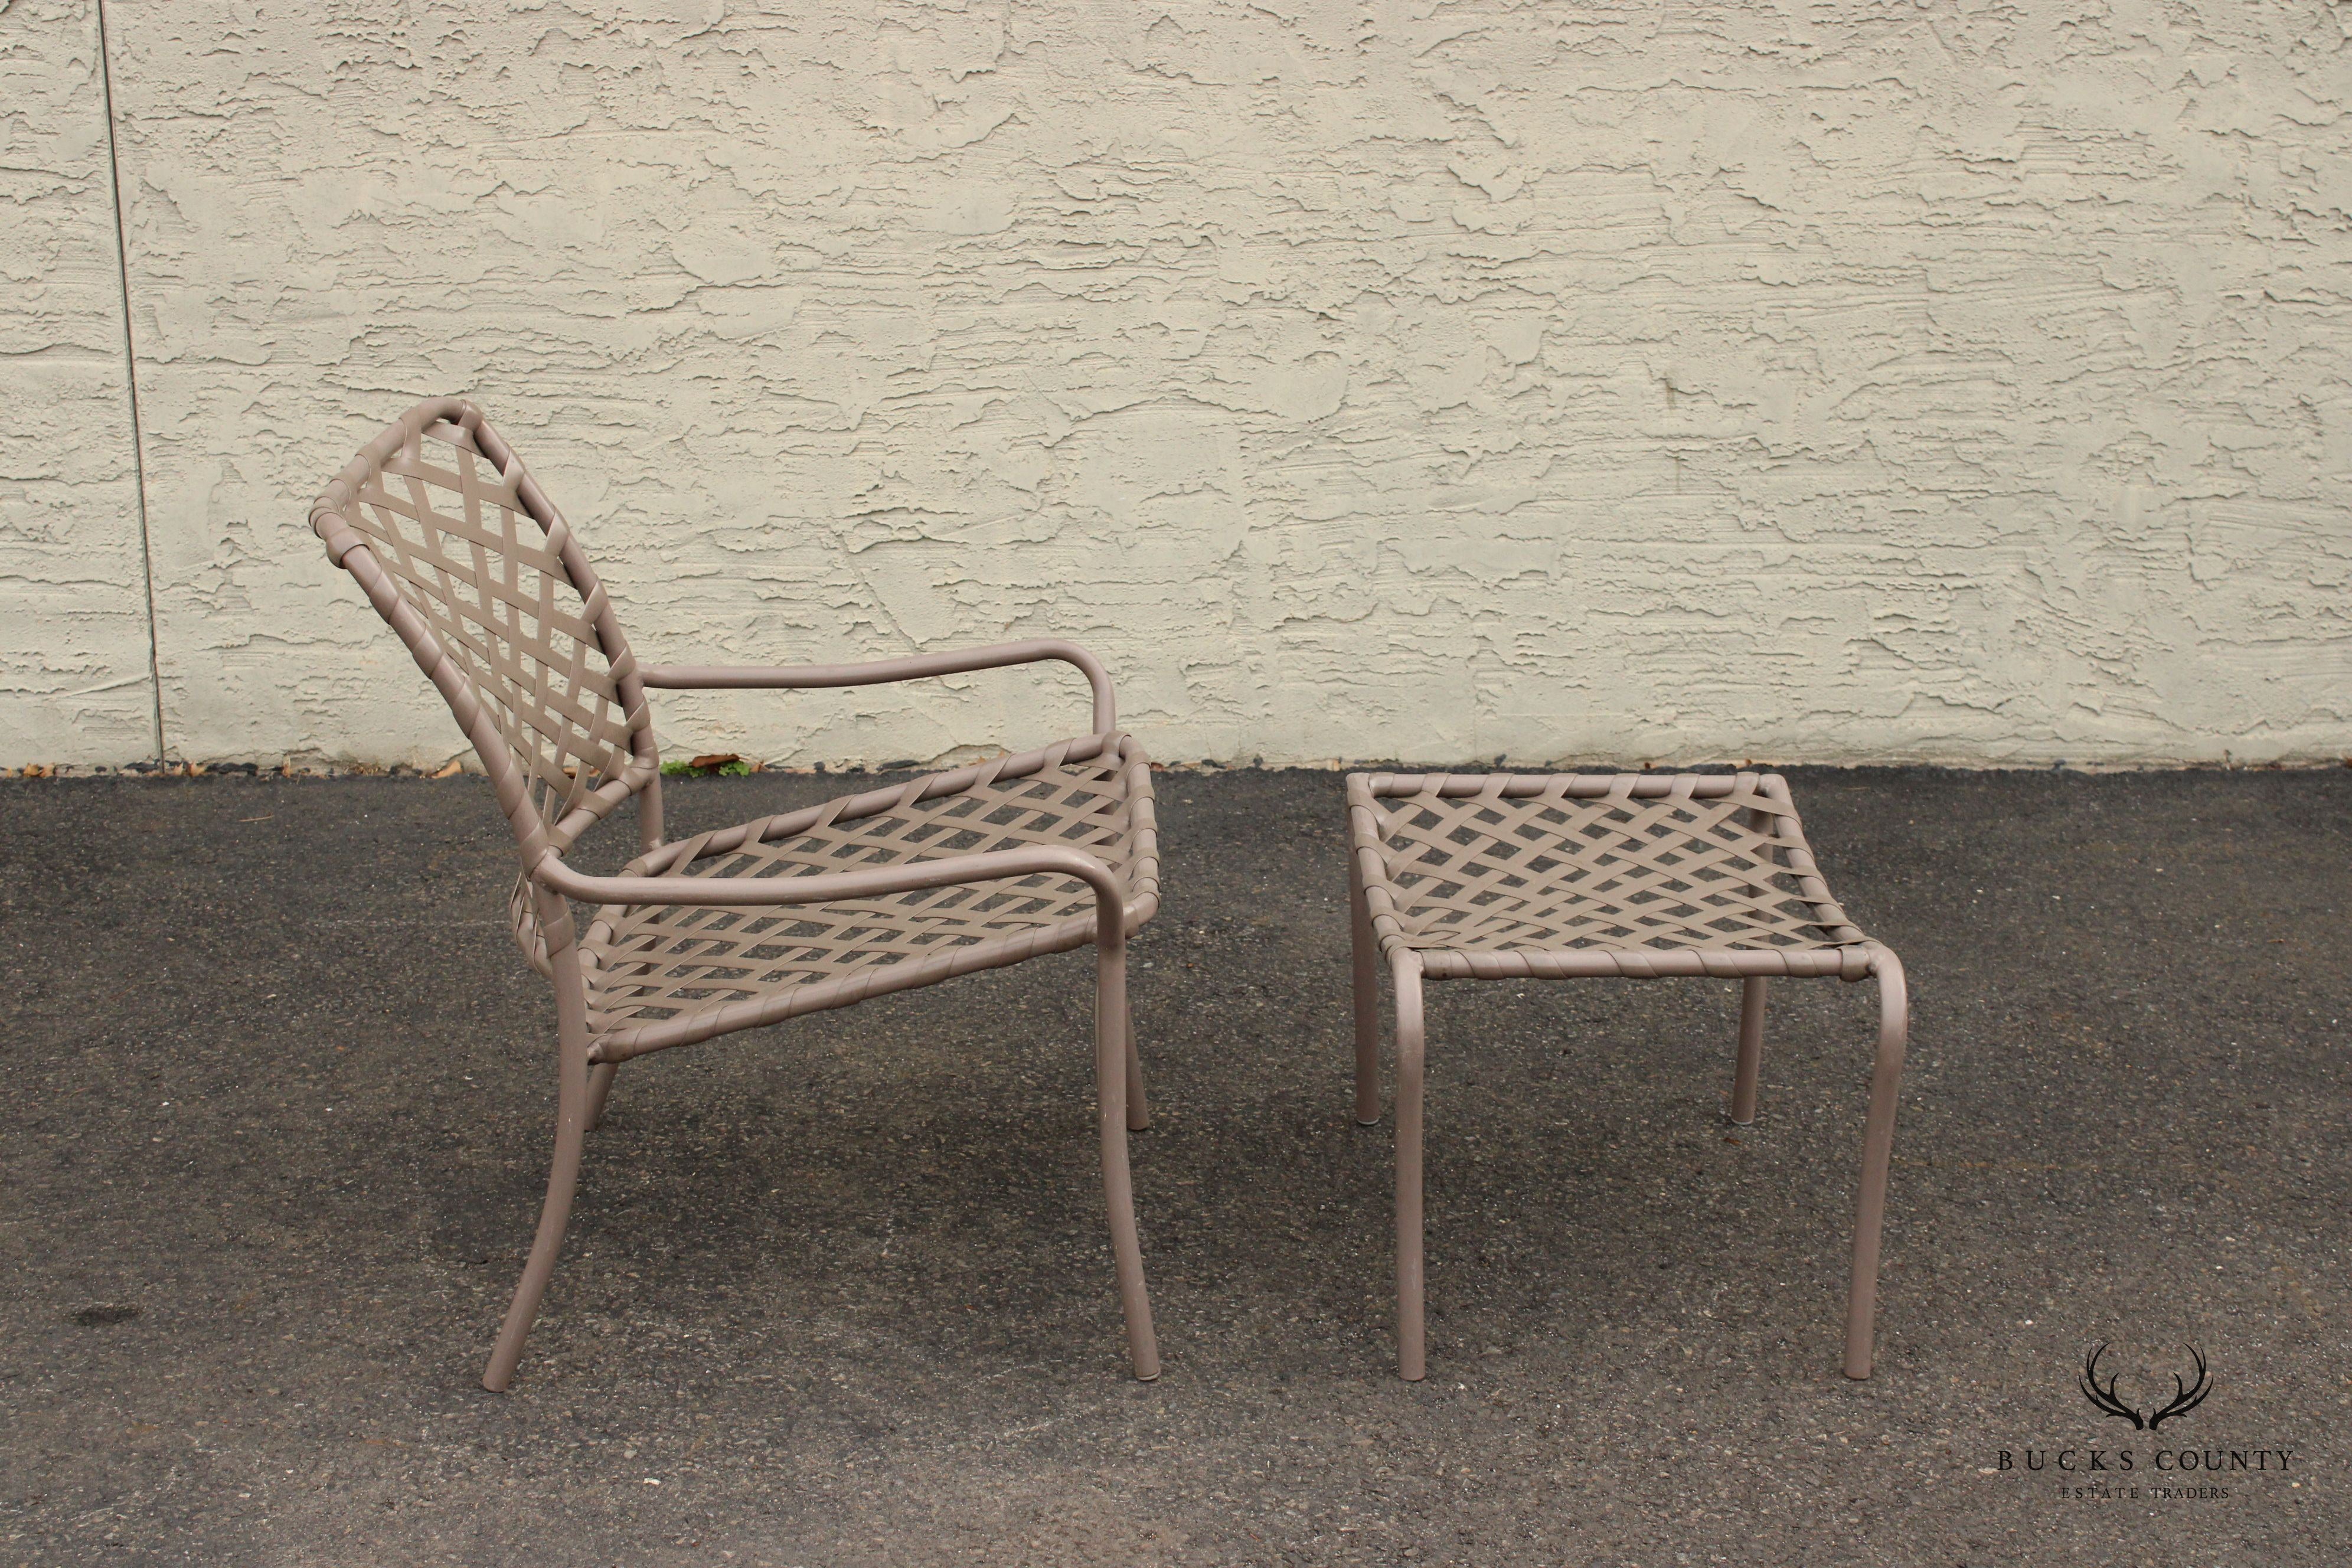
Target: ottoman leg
x,y
1368,999
1752,1050
1413,1360
1878,1145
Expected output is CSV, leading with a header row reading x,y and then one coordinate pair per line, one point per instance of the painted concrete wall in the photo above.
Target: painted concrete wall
x,y
75,685
1813,381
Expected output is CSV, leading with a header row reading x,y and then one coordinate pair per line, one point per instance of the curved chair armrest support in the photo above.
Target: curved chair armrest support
x,y
991,866
706,677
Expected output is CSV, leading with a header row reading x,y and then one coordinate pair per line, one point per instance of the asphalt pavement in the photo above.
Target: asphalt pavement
x,y
279,1094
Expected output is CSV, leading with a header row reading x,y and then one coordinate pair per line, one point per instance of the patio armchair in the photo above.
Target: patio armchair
x,y
461,553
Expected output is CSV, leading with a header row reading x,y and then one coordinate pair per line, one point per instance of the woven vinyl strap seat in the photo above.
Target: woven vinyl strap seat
x,y
661,975
1495,875
467,560
1571,876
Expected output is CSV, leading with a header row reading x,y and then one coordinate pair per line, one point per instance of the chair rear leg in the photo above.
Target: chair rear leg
x,y
1877,1146
1368,999
1113,1052
1413,1360
1139,1113
555,1215
600,1085
1752,1050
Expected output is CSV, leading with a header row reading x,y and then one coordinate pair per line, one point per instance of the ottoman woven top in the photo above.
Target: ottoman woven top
x,y
1554,874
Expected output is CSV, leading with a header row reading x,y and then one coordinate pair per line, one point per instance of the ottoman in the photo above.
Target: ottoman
x,y
1586,876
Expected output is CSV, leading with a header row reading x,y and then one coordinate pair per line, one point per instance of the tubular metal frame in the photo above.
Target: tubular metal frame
x,y
520,639
1527,880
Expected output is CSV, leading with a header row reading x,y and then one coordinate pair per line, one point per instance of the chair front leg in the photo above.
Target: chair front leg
x,y
1751,1051
563,1172
1368,998
1877,1147
1112,1054
1413,1360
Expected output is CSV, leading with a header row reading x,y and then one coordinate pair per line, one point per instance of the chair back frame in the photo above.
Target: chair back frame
x,y
441,552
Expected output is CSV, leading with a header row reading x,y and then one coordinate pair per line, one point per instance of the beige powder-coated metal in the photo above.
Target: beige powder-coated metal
x,y
458,548
1509,875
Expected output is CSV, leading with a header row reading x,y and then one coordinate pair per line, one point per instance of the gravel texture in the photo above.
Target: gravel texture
x,y
839,1293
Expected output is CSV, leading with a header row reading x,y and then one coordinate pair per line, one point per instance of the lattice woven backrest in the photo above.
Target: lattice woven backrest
x,y
479,574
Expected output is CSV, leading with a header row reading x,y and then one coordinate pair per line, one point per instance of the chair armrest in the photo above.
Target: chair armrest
x,y
707,677
994,864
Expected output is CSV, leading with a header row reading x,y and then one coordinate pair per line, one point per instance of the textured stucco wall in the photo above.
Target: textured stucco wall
x,y
74,674
1810,381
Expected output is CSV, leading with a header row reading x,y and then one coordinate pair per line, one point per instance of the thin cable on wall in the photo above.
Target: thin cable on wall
x,y
131,375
